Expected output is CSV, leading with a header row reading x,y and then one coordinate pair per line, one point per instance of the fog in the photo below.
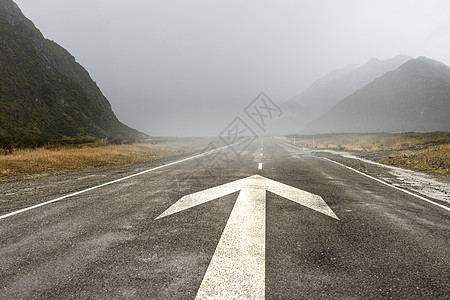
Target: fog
x,y
183,68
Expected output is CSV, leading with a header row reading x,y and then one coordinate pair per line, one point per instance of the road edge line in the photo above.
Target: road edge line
x,y
107,183
388,184
376,179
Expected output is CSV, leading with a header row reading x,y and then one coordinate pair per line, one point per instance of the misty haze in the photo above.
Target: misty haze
x,y
187,68
224,149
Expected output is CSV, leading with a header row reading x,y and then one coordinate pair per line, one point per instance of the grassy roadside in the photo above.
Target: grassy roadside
x,y
426,152
23,163
435,159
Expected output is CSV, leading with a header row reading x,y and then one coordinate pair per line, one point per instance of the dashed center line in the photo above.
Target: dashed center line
x,y
260,166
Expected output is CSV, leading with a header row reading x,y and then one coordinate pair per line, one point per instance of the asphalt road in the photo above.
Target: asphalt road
x,y
107,243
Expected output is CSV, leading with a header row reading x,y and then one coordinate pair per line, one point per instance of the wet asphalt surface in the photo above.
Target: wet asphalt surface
x,y
106,243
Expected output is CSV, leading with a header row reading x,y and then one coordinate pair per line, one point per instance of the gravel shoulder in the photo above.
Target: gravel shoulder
x,y
432,186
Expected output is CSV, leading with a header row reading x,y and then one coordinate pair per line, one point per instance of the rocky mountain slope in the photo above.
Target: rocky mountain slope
x,y
326,92
45,95
414,97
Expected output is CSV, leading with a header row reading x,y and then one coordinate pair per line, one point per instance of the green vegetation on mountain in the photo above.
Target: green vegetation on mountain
x,y
45,95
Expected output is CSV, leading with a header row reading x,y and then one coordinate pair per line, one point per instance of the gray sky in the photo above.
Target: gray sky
x,y
189,67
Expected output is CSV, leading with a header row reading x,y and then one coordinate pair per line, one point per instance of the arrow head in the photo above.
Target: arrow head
x,y
304,198
312,201
204,196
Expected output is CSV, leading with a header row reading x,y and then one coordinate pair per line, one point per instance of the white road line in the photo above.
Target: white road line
x,y
287,144
105,184
390,185
260,166
237,268
261,154
376,179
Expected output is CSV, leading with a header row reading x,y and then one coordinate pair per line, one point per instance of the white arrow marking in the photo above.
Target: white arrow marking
x,y
237,269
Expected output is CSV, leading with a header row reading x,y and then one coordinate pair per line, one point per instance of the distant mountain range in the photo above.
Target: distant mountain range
x,y
328,91
398,94
45,95
413,97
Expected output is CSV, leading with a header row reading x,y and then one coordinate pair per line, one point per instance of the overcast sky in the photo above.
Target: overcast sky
x,y
189,67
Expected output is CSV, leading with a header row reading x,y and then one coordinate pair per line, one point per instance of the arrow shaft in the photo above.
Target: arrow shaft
x,y
237,269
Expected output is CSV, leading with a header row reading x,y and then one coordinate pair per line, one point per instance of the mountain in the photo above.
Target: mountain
x,y
414,97
326,92
45,95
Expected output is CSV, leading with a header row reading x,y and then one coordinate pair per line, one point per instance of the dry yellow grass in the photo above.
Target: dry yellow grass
x,y
434,159
26,162
427,152
371,142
